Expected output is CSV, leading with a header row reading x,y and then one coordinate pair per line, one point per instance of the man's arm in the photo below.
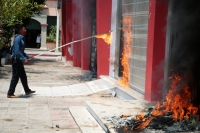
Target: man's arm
x,y
17,50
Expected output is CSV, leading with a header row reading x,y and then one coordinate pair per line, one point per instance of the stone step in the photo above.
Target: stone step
x,y
122,92
100,85
85,120
80,89
102,110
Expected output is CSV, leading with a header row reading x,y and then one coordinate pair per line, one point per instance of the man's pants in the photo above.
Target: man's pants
x,y
18,72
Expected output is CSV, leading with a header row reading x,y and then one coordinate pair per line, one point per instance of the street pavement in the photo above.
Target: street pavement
x,y
43,114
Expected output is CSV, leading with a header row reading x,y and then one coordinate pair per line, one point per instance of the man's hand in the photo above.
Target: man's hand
x,y
31,57
26,62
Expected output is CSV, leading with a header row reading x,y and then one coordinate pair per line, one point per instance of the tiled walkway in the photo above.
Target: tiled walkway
x,y
48,110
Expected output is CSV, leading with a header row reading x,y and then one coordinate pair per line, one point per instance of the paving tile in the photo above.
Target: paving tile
x,y
19,104
41,91
4,99
41,115
61,91
85,120
4,104
16,116
34,101
17,110
61,117
65,124
38,105
2,116
16,130
42,108
41,130
100,85
15,123
59,112
3,110
19,100
58,107
79,89
40,124
68,131
71,104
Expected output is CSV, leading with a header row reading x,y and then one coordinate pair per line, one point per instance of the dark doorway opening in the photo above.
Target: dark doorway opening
x,y
33,29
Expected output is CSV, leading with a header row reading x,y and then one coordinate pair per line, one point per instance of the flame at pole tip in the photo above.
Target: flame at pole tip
x,y
107,37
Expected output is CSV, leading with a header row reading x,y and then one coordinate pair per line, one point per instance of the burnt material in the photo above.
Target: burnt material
x,y
159,123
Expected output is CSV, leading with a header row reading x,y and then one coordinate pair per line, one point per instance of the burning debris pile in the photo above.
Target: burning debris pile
x,y
176,114
163,123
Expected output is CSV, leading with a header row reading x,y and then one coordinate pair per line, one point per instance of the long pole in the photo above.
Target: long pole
x,y
67,44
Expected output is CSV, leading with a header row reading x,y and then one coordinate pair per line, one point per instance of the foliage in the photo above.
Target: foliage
x,y
52,34
15,12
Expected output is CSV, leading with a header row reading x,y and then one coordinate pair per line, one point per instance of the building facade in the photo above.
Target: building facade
x,y
145,27
40,24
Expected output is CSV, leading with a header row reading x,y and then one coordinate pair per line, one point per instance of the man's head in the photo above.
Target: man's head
x,y
21,30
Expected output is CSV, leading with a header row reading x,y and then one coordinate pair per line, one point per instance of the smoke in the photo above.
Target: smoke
x,y
82,13
185,44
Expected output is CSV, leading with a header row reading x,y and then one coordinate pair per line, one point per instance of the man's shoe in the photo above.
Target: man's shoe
x,y
30,92
12,96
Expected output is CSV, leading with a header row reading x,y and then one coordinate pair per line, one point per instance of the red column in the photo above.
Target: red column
x,y
103,8
66,27
86,28
158,10
63,27
76,33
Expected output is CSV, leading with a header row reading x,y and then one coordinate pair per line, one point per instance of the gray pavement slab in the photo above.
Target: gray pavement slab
x,y
79,89
85,120
61,91
100,85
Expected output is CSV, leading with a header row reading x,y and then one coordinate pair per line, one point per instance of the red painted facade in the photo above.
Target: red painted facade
x,y
103,12
76,32
66,27
85,30
76,24
157,22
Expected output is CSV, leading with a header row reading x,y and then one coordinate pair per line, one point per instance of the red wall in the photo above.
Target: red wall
x,y
76,33
158,10
103,13
66,27
86,29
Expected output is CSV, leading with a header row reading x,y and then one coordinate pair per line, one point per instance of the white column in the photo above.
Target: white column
x,y
57,29
43,36
113,46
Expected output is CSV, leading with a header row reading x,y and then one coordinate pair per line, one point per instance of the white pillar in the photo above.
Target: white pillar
x,y
57,29
113,67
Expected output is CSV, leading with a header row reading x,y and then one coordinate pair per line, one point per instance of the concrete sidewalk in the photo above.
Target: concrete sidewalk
x,y
43,114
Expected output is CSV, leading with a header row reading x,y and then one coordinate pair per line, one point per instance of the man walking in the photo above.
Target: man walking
x,y
19,58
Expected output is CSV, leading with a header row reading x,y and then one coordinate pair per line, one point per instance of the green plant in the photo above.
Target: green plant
x,y
52,34
15,12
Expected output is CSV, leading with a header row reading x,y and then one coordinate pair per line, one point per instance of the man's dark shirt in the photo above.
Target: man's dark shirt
x,y
18,48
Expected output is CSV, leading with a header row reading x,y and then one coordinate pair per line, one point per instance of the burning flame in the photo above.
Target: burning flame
x,y
176,103
127,40
106,37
